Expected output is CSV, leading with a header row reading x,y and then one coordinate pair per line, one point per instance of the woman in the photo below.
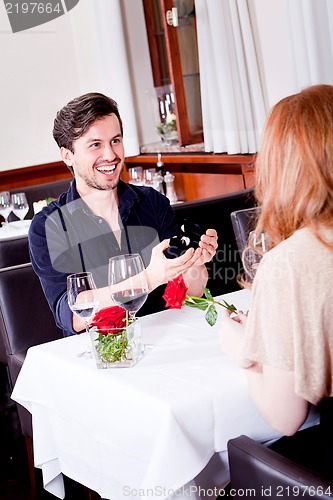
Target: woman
x,y
286,342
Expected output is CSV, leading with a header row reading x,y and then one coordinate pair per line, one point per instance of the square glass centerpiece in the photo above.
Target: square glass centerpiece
x,y
117,347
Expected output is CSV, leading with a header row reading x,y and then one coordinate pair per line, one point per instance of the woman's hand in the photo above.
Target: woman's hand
x,y
231,333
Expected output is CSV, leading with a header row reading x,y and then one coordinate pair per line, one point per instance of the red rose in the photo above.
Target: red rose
x,y
175,293
109,318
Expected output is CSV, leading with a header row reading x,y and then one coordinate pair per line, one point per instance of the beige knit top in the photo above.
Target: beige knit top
x,y
290,323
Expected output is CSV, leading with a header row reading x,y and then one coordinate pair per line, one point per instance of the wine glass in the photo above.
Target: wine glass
x,y
127,282
81,298
253,253
5,206
136,176
148,175
20,205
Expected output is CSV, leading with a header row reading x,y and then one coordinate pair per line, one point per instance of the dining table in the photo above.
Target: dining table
x,y
15,229
158,429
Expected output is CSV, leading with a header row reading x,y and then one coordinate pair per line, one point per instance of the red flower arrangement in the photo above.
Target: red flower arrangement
x,y
175,293
111,324
175,296
111,318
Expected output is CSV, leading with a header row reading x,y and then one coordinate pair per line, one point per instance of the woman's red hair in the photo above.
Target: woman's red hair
x,y
294,167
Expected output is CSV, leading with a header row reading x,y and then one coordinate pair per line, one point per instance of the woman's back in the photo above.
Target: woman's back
x,y
290,324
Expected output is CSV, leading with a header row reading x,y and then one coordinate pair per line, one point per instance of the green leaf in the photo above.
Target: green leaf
x,y
196,302
230,307
208,303
202,306
225,304
211,315
112,348
208,295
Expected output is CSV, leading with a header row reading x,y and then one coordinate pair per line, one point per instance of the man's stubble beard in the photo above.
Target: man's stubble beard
x,y
95,185
92,183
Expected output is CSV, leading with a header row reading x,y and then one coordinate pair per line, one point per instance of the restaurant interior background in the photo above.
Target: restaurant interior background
x,y
102,46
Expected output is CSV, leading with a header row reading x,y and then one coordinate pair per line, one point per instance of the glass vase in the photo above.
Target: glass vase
x,y
164,114
117,347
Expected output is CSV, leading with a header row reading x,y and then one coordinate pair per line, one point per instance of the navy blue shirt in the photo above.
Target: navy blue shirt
x,y
65,238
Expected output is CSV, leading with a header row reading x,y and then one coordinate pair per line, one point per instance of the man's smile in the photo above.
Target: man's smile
x,y
106,169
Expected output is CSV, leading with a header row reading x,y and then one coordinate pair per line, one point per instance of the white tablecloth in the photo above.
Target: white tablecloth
x,y
15,229
143,431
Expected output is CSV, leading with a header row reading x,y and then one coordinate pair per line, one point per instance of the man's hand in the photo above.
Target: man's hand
x,y
161,269
196,277
208,244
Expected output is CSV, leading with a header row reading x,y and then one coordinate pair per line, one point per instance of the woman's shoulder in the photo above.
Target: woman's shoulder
x,y
300,257
303,243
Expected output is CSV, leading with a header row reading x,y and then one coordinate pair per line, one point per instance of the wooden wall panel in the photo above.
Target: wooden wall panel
x,y
29,176
196,176
198,186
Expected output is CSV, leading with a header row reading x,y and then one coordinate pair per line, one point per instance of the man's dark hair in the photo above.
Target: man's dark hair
x,y
74,119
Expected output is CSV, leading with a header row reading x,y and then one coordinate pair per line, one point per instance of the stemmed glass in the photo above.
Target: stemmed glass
x,y
20,205
127,282
253,253
81,298
5,206
136,176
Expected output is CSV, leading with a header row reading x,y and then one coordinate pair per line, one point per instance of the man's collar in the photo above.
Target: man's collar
x,y
126,194
73,200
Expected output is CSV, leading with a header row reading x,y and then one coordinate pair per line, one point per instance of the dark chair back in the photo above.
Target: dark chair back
x,y
14,251
243,222
215,213
262,473
25,319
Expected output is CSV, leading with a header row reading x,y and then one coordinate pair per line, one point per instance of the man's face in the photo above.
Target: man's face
x,y
98,157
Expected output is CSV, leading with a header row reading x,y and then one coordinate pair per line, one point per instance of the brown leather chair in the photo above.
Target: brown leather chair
x,y
259,472
14,251
25,320
5,382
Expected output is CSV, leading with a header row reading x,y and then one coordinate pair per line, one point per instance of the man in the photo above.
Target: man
x,y
101,216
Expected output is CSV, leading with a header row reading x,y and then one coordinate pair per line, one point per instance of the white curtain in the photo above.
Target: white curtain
x,y
232,99
311,41
103,60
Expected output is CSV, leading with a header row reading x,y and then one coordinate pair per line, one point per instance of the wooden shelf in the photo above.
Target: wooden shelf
x,y
202,175
198,175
